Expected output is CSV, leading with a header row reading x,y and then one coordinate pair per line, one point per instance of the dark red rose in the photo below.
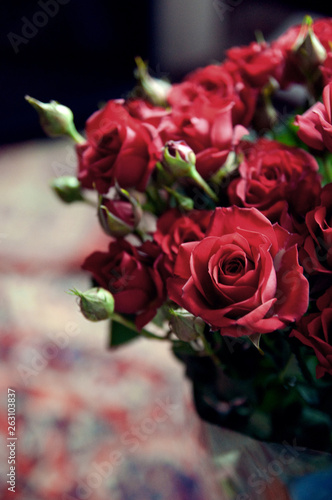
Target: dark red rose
x,y
207,130
174,228
131,274
243,277
118,149
257,62
215,83
145,111
316,255
315,331
276,179
315,125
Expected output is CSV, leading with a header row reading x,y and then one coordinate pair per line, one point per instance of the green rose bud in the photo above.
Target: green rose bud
x,y
155,89
119,215
67,188
185,326
307,47
96,304
179,159
55,119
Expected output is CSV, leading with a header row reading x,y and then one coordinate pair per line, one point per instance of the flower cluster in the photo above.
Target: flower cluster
x,y
216,194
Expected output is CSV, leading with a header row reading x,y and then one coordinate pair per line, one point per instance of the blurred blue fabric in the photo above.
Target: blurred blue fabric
x,y
316,486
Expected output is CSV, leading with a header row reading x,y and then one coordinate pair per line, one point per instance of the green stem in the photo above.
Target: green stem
x,y
131,325
209,351
73,134
302,365
202,184
327,166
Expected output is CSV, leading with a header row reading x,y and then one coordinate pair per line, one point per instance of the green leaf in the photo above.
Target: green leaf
x,y
120,334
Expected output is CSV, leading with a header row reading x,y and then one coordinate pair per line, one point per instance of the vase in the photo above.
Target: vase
x,y
263,393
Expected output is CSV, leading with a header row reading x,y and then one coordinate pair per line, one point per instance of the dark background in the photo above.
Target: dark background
x,y
84,54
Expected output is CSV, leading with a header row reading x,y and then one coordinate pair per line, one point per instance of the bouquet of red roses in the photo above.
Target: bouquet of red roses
x,y
216,194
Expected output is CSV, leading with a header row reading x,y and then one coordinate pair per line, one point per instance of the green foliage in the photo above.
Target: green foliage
x,y
120,334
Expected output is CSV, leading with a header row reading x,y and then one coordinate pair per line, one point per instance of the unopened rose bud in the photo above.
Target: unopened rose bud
x,y
119,216
307,47
155,89
178,158
96,304
55,119
185,326
67,188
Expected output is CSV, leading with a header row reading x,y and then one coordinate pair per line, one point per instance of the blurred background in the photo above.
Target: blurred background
x,y
81,52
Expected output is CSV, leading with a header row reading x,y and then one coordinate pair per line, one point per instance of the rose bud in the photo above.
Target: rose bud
x,y
68,188
55,119
96,304
179,159
184,325
307,47
155,89
121,216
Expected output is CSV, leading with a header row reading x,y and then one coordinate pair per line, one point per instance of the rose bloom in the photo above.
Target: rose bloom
x,y
207,130
257,63
243,277
131,274
174,228
276,179
145,111
315,331
118,148
215,83
316,254
315,125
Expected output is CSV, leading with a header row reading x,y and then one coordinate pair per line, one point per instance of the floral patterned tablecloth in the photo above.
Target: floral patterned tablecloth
x,y
93,423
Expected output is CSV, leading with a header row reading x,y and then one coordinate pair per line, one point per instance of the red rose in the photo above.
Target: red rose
x,y
214,84
243,277
314,330
145,111
173,228
257,62
118,148
207,130
316,255
316,123
131,275
276,179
